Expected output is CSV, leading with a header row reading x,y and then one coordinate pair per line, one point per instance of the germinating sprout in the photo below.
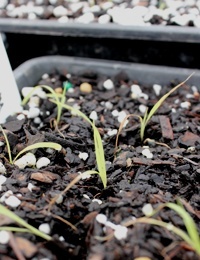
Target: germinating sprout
x,y
191,237
59,98
52,145
147,116
26,227
99,151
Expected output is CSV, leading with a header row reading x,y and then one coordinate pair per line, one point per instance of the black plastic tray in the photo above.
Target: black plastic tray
x,y
28,73
96,30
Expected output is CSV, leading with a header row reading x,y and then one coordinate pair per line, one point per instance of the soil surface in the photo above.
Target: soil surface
x,y
168,170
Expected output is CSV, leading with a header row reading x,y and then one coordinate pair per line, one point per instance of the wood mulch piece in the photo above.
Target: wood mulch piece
x,y
133,179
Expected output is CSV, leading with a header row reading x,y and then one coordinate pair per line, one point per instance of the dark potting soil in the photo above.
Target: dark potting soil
x,y
171,171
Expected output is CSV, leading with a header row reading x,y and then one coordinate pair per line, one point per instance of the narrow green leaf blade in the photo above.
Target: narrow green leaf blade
x,y
100,157
6,212
189,223
162,99
52,145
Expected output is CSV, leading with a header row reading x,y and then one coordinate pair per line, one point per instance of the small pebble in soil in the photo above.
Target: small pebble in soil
x,y
136,91
147,153
37,120
37,92
32,16
115,113
26,90
45,228
120,232
83,156
191,149
195,90
58,90
1,143
75,106
108,84
2,168
50,150
188,96
61,238
2,181
12,201
101,218
30,187
108,105
59,199
86,87
59,11
170,227
110,224
3,3
157,89
147,209
185,104
63,19
86,18
93,115
4,237
6,195
142,108
42,162
121,117
112,132
104,19
98,201
145,96
33,112
85,176
45,76
28,159
34,101
71,90
86,196
20,117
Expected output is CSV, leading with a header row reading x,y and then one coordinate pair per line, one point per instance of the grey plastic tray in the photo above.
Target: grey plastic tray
x,y
96,30
28,73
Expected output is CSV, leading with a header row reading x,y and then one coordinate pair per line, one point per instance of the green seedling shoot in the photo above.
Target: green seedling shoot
x,y
99,151
52,145
147,116
191,237
59,98
27,228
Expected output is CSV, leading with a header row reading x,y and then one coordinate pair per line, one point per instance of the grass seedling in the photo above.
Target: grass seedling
x,y
27,228
52,145
99,151
59,98
147,116
191,237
